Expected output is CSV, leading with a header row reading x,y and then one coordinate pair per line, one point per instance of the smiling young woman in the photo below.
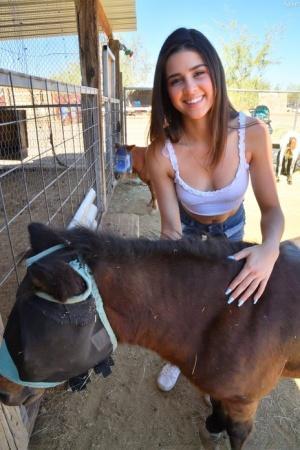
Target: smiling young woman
x,y
201,155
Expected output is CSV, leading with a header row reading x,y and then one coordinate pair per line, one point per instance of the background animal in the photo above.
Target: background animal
x,y
153,298
139,167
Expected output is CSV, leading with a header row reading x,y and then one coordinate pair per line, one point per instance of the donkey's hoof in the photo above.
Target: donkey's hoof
x,y
206,397
215,425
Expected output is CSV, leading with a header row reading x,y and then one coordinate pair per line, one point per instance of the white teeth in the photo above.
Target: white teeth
x,y
195,100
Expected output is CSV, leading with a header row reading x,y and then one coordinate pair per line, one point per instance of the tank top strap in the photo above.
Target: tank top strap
x,y
169,149
242,127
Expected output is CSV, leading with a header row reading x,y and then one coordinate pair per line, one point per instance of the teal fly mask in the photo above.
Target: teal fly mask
x,y
47,342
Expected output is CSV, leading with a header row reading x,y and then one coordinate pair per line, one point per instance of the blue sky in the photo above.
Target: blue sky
x,y
156,19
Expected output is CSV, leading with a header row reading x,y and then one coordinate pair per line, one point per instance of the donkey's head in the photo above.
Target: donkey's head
x,y
54,332
125,147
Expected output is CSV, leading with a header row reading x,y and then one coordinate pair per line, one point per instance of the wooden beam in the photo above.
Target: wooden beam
x,y
103,21
88,35
114,46
87,14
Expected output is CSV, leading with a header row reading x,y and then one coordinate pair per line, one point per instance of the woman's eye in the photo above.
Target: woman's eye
x,y
198,74
175,81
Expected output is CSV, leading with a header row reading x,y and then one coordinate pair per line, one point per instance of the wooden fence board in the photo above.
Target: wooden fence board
x,y
13,433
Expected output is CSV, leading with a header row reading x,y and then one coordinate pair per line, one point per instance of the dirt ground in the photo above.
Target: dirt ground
x,y
126,411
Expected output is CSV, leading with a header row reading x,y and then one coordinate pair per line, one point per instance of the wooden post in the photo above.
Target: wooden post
x,y
88,13
114,46
13,433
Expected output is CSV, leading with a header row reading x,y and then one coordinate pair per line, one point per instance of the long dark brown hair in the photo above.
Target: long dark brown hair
x,y
166,121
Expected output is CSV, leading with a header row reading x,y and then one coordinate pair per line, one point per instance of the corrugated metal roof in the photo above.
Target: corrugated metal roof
x,y
41,18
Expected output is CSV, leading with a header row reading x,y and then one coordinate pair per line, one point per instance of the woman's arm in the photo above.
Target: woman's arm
x,y
161,176
264,185
260,259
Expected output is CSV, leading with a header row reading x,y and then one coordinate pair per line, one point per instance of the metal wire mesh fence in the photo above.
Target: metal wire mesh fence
x,y
283,106
49,158
111,134
52,57
283,115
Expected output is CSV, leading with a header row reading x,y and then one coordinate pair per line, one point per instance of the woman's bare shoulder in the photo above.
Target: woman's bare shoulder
x,y
158,160
155,149
256,130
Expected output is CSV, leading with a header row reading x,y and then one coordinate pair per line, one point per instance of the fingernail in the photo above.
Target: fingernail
x,y
231,257
255,301
230,300
228,291
241,302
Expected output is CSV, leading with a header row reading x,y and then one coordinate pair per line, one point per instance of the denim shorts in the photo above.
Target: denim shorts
x,y
232,228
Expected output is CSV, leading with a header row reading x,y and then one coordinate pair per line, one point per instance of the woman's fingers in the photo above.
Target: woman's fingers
x,y
243,278
244,290
260,290
253,278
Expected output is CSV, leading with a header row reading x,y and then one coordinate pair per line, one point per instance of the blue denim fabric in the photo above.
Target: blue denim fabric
x,y
232,228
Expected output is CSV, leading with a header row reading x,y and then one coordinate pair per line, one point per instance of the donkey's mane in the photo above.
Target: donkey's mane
x,y
93,246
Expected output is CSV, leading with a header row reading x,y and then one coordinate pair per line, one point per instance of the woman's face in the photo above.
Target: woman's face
x,y
189,84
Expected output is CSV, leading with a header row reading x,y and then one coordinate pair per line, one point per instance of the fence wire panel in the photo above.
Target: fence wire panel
x,y
111,134
284,108
137,110
29,45
49,159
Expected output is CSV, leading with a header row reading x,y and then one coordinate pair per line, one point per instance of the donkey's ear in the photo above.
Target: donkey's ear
x,y
58,280
43,237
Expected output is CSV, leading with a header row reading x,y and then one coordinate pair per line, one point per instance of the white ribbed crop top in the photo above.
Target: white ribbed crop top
x,y
219,201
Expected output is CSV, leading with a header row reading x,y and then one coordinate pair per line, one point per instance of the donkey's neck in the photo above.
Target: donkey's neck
x,y
160,306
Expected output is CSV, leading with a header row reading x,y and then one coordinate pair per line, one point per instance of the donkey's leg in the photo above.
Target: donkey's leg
x,y
153,202
239,424
216,422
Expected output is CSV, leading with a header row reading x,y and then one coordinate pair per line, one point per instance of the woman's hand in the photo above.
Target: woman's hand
x,y
253,278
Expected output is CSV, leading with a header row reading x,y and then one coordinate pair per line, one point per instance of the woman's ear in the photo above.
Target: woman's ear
x,y
58,280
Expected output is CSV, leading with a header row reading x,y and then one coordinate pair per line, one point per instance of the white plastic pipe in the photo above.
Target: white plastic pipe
x,y
91,216
81,213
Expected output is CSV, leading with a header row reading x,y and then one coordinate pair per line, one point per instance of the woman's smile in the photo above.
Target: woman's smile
x,y
194,101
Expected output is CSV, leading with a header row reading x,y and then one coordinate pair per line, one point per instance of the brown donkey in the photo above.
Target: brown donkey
x,y
168,296
139,167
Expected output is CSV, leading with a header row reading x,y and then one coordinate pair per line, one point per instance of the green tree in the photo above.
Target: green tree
x,y
137,69
71,74
246,58
245,61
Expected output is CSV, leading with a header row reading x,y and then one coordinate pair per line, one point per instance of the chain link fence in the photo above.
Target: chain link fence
x,y
52,57
283,113
111,135
49,159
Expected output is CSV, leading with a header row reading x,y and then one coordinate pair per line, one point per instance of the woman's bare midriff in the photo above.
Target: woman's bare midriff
x,y
208,220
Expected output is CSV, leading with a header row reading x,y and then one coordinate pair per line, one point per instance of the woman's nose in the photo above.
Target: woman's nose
x,y
190,85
